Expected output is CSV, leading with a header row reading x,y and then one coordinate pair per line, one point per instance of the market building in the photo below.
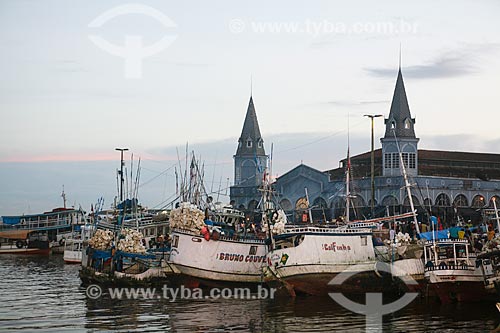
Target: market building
x,y
451,185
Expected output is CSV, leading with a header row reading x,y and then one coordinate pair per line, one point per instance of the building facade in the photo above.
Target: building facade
x,y
451,185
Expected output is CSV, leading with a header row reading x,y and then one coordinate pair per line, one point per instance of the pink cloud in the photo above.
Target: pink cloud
x,y
79,157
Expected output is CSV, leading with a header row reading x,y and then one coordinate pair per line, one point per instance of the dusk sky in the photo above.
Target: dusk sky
x,y
66,103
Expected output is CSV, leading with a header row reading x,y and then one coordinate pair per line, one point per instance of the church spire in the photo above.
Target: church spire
x,y
400,119
250,141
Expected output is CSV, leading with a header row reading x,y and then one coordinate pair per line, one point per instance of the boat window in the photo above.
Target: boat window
x,y
253,250
364,240
175,241
461,253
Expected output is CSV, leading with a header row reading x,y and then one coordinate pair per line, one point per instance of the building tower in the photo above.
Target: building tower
x,y
250,161
399,131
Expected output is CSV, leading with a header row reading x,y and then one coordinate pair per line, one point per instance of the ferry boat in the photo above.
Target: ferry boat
x,y
24,242
453,273
57,225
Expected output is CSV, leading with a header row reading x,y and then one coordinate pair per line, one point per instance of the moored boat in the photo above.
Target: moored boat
x,y
24,242
308,258
214,253
452,272
56,224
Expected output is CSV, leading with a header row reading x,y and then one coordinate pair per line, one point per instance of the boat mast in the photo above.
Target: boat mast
x,y
309,208
347,190
122,163
407,184
496,213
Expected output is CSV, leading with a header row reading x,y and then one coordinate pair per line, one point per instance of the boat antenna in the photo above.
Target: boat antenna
x,y
63,195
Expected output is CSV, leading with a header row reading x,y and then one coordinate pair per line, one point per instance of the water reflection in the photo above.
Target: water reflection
x,y
42,294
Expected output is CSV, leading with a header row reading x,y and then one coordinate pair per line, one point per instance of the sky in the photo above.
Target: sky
x,y
80,78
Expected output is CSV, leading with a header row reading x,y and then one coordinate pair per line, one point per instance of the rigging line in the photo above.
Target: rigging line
x,y
169,201
318,140
159,175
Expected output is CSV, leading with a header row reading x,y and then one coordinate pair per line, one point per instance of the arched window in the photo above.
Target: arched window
x,y
301,204
338,206
319,202
427,203
249,143
461,201
497,201
407,123
443,200
358,201
390,200
478,201
248,172
286,205
406,201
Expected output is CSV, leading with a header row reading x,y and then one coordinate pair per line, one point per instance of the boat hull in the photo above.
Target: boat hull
x,y
25,251
320,283
308,260
451,286
217,262
72,257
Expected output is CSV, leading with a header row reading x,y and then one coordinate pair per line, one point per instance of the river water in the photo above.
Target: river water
x,y
42,294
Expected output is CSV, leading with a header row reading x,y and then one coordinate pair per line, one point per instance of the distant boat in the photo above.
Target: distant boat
x,y
24,242
73,247
57,225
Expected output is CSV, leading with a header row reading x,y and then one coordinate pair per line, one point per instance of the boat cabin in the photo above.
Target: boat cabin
x,y
446,254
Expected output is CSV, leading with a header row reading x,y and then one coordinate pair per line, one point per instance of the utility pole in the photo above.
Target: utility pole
x,y
121,150
372,116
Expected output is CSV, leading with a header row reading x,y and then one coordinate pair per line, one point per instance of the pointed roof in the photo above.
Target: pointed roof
x,y
400,117
250,132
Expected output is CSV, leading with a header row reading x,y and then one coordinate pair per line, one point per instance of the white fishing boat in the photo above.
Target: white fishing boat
x,y
308,258
215,252
73,247
453,273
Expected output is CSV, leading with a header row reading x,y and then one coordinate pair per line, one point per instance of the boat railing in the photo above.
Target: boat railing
x,y
446,241
319,230
235,238
41,224
444,267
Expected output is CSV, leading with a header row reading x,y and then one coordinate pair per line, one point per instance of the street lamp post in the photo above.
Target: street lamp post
x,y
372,116
121,172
